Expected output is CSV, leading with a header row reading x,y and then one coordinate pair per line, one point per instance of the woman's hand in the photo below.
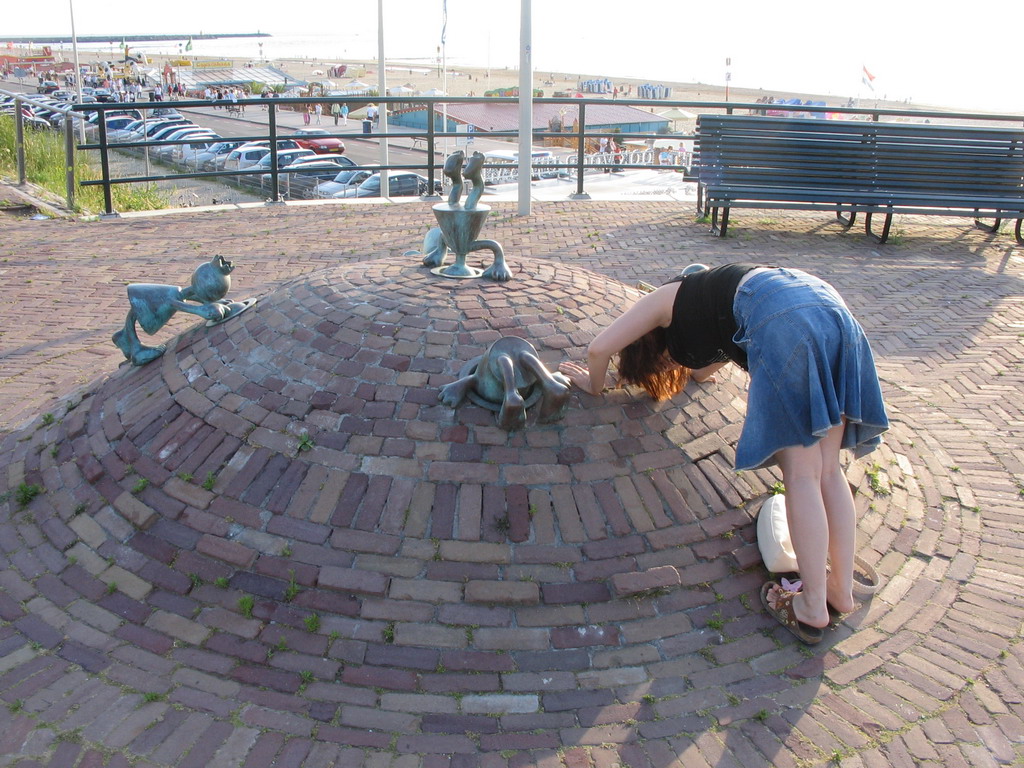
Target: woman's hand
x,y
707,373
577,374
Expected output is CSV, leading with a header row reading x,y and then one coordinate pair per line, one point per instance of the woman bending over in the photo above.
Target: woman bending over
x,y
813,390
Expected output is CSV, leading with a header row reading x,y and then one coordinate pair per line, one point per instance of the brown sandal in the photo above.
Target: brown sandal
x,y
779,604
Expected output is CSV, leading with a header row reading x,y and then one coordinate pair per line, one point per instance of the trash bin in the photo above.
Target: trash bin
x,y
367,126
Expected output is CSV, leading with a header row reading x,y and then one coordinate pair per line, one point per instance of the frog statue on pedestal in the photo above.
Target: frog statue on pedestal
x,y
509,378
152,305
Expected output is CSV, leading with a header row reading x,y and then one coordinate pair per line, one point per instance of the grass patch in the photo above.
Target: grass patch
x,y
245,605
25,493
44,166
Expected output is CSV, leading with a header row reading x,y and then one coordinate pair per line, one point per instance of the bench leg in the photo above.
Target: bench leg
x,y
717,227
993,227
885,228
700,199
1016,232
847,222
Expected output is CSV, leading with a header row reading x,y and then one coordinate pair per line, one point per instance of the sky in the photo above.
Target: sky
x,y
912,48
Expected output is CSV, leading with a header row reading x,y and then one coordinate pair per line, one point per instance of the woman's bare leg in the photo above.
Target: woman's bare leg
x,y
842,522
808,529
822,524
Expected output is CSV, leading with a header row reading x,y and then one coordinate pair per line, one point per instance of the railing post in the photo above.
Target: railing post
x,y
581,149
275,189
19,140
430,146
69,160
108,200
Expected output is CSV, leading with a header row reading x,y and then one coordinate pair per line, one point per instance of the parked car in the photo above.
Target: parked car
x,y
206,160
346,179
122,134
227,163
244,157
401,184
317,167
151,131
188,150
35,122
115,123
162,133
284,158
136,131
110,114
47,86
319,141
104,94
168,151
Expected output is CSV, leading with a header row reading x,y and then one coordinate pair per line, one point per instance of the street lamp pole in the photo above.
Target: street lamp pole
x,y
78,69
382,92
525,107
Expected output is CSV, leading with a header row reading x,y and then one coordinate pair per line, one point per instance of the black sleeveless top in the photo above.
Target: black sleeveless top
x,y
703,324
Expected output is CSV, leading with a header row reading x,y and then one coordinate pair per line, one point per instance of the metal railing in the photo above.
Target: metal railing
x,y
575,166
70,121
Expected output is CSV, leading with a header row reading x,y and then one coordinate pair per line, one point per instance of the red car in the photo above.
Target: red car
x,y
319,141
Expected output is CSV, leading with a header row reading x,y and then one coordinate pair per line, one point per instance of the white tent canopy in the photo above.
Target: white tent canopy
x,y
434,92
401,90
677,114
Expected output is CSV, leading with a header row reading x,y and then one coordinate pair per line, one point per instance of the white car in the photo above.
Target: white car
x,y
244,157
345,180
149,131
229,163
206,159
196,143
284,157
180,135
164,135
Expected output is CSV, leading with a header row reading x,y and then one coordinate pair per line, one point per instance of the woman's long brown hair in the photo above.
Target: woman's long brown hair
x,y
646,363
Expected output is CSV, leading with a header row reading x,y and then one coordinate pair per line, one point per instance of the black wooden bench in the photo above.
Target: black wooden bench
x,y
852,167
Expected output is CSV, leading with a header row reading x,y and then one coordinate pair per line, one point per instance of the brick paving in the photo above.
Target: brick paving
x,y
200,583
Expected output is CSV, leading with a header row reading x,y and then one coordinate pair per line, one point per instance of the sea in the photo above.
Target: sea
x,y
781,69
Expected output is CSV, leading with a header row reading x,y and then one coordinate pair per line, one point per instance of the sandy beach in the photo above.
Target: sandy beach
x,y
474,81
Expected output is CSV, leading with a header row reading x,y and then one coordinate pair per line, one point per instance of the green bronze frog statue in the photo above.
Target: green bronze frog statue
x,y
153,305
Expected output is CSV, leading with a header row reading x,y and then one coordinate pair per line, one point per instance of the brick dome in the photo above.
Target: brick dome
x,y
284,495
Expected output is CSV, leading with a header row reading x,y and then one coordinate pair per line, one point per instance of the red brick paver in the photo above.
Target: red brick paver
x,y
421,589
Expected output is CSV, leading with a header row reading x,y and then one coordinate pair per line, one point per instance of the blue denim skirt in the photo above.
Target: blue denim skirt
x,y
810,366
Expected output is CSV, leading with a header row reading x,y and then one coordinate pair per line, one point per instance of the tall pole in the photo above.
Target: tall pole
x,y
525,107
444,74
382,111
78,69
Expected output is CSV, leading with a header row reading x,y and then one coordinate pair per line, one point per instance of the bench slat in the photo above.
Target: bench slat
x,y
813,164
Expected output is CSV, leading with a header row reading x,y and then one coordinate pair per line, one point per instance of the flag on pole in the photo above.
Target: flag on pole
x,y
188,45
868,79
